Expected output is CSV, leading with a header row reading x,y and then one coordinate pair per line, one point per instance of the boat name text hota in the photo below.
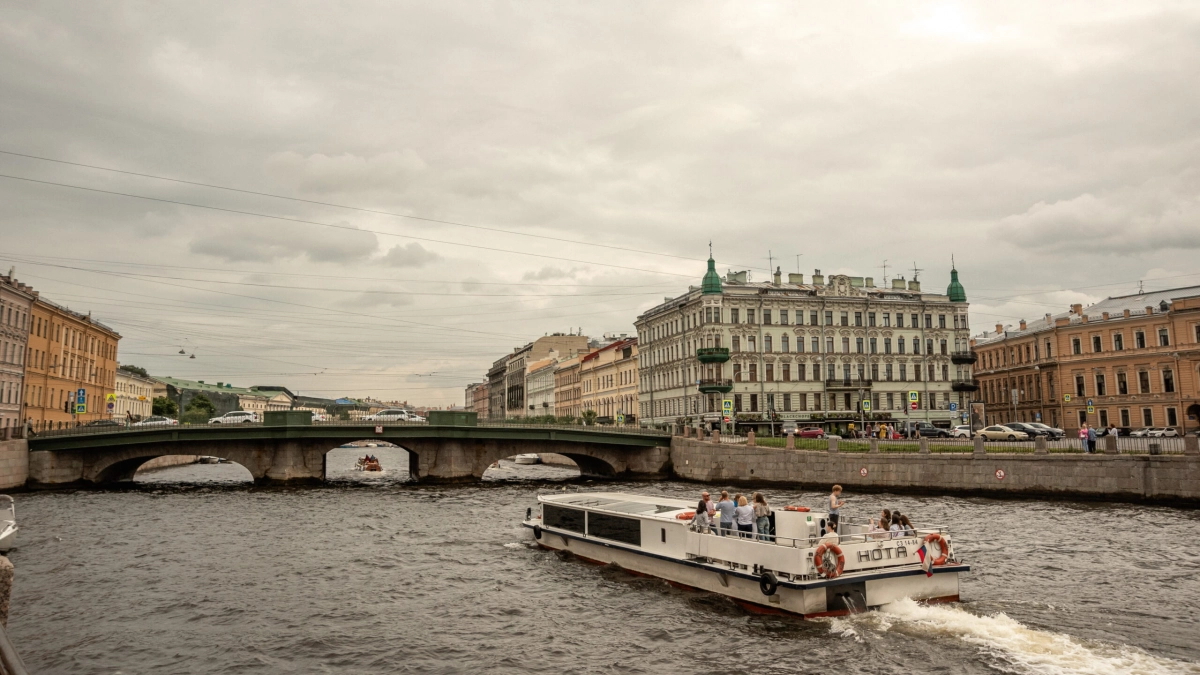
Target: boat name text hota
x,y
901,551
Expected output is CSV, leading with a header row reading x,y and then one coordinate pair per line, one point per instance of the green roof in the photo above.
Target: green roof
x,y
712,281
955,290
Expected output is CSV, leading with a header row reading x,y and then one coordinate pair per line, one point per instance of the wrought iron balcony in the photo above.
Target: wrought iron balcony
x,y
713,354
847,383
964,385
716,386
964,358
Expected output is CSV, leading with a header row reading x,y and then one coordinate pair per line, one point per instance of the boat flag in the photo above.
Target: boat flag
x,y
926,561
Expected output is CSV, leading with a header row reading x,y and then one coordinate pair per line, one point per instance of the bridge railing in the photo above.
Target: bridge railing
x,y
86,430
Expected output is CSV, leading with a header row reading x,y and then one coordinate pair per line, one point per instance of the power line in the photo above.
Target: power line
x,y
350,208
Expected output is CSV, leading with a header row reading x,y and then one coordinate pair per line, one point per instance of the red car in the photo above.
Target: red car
x,y
811,432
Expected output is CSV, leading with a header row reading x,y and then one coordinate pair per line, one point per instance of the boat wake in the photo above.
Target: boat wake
x,y
1011,646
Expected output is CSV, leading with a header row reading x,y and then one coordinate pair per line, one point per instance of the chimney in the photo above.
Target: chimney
x,y
778,276
999,328
1084,318
1022,324
1048,317
818,278
898,284
1105,315
914,285
1077,309
870,282
797,279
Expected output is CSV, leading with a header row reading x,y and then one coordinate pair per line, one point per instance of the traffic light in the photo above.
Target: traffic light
x,y
67,406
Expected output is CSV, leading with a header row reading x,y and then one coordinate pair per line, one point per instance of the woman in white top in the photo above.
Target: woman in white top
x,y
879,528
743,515
896,528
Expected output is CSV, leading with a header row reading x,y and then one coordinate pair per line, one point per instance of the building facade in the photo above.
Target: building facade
x,y
497,382
568,390
540,386
516,367
809,352
609,382
1133,361
135,395
16,307
70,356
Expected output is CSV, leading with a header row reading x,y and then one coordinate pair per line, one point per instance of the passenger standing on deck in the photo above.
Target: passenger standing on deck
x,y
706,505
726,507
744,513
762,516
835,504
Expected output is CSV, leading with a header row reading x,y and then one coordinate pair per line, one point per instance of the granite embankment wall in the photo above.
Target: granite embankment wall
x,y
1159,478
14,464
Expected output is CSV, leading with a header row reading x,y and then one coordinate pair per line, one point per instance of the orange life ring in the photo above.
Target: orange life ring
x,y
819,560
942,545
686,515
802,509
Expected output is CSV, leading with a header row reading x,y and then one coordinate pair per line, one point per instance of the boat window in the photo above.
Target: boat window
x,y
566,519
616,528
588,501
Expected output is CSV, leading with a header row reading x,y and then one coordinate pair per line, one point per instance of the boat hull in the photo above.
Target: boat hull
x,y
835,597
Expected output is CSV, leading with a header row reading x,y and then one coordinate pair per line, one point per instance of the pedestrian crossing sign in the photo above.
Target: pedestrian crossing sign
x,y
80,408
110,397
866,405
913,397
1066,398
727,406
1091,409
620,418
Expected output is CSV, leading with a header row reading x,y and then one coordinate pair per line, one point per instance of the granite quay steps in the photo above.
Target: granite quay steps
x,y
1168,479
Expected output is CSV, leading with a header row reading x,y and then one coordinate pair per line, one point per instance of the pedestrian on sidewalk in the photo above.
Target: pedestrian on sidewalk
x,y
1083,437
1091,440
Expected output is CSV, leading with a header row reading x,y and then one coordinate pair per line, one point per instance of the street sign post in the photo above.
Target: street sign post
x,y
620,418
1091,410
914,396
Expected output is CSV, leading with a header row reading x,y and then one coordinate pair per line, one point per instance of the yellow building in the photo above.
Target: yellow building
x,y
68,352
609,378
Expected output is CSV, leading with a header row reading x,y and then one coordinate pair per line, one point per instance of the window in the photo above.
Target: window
x,y
766,317
1049,351
1118,342
770,372
787,372
1082,417
783,316
787,402
1197,327
1148,417
874,344
828,318
914,323
887,320
891,403
616,528
816,345
941,320
899,320
887,345
749,316
564,519
1079,388
831,370
1125,417
875,371
1104,418
858,318
737,403
845,318
858,345
1172,418
783,344
1122,385
1168,381
801,372
928,346
1095,343
812,318
1164,339
903,372
1143,382
754,372
929,321
845,345
737,372
900,345
753,402
871,323
1101,388
828,345
1076,348
734,315
766,343
737,343
1139,340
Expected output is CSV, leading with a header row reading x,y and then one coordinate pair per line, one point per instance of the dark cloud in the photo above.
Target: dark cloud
x,y
411,255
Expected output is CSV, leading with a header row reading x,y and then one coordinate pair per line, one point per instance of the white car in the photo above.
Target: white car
x,y
962,431
156,421
320,417
390,415
1140,433
413,417
1161,432
235,417
1002,433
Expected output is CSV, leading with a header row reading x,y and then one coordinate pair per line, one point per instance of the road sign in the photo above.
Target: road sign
x,y
80,408
1089,402
866,405
953,407
727,406
1066,398
1038,416
1015,397
913,397
379,428
110,406
110,397
913,405
620,418
966,417
999,474
863,472
81,396
1091,410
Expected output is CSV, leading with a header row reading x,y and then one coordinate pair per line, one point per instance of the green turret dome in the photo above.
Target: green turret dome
x,y
712,281
955,290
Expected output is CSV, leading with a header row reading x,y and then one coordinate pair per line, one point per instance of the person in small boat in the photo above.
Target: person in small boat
x,y
880,528
744,515
835,504
726,506
762,517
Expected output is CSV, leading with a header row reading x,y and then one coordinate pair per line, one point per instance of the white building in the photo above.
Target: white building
x,y
135,394
539,385
806,352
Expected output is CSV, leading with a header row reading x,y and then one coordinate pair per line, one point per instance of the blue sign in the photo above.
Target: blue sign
x,y
81,396
953,407
1090,402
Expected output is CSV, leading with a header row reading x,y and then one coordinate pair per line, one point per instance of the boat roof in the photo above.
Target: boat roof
x,y
652,506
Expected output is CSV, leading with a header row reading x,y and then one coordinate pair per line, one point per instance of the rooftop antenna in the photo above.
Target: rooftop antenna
x,y
770,261
884,266
916,270
798,262
1140,290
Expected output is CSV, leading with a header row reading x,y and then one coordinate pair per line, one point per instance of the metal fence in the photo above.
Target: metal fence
x,y
1124,445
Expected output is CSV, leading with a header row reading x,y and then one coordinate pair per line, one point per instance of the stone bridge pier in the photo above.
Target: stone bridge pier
x,y
292,460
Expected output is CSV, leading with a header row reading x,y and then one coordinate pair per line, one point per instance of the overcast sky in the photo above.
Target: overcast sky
x,y
589,152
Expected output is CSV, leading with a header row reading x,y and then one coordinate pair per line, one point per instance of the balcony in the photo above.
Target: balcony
x,y
964,385
846,383
715,386
713,354
963,358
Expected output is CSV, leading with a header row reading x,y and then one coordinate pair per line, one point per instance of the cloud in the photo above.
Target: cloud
x,y
412,255
245,242
550,273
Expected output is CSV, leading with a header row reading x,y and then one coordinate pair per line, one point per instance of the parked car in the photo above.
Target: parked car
x,y
104,423
929,431
1055,432
962,431
1140,433
1030,430
811,432
320,417
413,417
1162,432
156,421
236,417
390,415
1002,433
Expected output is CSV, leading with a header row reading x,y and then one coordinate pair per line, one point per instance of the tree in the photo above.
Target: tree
x,y
136,370
201,404
164,406
589,417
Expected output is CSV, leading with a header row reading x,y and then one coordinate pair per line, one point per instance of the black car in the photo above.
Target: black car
x,y
1033,431
927,430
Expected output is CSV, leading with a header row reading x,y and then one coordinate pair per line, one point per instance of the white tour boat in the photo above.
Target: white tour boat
x,y
8,525
528,458
799,570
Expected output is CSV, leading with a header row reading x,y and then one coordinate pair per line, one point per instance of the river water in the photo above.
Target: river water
x,y
193,571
